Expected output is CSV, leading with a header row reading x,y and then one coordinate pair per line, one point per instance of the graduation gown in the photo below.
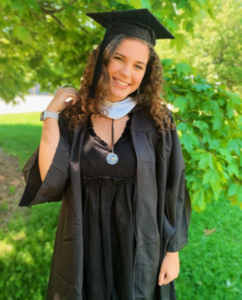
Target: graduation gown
x,y
162,206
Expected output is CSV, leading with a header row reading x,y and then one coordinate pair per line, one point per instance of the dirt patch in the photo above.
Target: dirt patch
x,y
12,186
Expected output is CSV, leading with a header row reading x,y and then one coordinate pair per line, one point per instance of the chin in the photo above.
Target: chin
x,y
119,96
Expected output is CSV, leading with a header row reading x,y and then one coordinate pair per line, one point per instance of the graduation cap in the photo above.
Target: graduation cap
x,y
140,23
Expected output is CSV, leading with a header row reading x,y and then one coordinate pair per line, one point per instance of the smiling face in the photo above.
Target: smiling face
x,y
126,68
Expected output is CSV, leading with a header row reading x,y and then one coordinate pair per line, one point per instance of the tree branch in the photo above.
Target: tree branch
x,y
51,13
97,4
84,29
50,10
53,16
194,126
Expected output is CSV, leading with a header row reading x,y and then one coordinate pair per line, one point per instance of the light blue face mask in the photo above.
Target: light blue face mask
x,y
119,109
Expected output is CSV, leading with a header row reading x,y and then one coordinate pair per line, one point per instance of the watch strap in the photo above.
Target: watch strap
x,y
48,114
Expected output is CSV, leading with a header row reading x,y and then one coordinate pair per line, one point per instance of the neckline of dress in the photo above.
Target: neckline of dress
x,y
93,133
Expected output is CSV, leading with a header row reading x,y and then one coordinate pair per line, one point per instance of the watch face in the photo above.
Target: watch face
x,y
42,116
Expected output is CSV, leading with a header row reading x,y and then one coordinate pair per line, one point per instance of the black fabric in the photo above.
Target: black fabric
x,y
108,229
134,29
142,18
161,207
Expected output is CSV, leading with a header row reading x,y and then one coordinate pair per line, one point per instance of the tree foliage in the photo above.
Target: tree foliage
x,y
209,121
48,42
214,47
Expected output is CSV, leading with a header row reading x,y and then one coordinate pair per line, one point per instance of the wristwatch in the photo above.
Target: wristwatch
x,y
48,114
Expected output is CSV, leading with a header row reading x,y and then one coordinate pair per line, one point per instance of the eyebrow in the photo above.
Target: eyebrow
x,y
140,62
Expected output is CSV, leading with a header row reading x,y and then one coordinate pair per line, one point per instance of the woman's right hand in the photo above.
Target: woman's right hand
x,y
58,103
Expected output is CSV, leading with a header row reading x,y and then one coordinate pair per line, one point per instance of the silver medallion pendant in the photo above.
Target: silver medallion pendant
x,y
112,158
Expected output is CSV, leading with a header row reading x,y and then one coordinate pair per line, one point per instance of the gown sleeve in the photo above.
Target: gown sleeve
x,y
52,188
177,199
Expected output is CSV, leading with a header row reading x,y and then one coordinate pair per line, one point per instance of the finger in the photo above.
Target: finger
x,y
167,279
161,278
69,98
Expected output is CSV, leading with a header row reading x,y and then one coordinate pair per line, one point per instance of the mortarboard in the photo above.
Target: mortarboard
x,y
140,23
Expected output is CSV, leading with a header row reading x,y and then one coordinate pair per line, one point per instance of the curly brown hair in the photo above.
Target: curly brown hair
x,y
151,88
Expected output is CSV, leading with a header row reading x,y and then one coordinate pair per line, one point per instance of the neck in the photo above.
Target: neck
x,y
118,100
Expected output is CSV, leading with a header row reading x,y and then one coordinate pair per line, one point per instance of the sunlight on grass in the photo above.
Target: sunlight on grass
x,y
27,118
19,236
5,249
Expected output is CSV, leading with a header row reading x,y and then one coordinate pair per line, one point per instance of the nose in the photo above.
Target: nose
x,y
126,70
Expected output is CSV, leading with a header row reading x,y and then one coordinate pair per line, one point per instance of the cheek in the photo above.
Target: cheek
x,y
139,77
112,67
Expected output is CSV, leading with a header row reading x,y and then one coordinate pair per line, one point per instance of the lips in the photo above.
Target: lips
x,y
121,83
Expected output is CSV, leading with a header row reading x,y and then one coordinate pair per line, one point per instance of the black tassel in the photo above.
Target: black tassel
x,y
98,67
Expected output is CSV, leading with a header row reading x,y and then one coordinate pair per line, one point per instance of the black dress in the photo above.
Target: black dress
x,y
108,229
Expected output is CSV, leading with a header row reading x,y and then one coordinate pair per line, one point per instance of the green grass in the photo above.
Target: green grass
x,y
20,134
210,266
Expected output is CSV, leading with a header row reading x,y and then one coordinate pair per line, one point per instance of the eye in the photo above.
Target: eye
x,y
118,58
139,67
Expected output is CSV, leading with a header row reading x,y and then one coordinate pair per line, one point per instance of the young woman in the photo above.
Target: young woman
x,y
112,155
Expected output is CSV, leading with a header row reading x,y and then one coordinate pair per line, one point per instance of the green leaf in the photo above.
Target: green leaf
x,y
235,101
167,62
201,125
233,170
146,4
232,189
183,126
22,34
230,113
198,200
171,25
225,153
183,3
235,192
183,68
135,3
217,123
234,146
206,161
201,86
210,105
4,3
221,101
194,139
240,121
211,176
189,26
181,103
179,41
239,194
186,141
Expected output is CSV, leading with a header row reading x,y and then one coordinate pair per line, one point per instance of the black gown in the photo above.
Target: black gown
x,y
108,229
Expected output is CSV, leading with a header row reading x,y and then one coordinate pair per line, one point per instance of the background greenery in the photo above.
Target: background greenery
x,y
48,42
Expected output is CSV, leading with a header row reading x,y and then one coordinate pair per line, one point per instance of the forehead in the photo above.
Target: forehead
x,y
134,49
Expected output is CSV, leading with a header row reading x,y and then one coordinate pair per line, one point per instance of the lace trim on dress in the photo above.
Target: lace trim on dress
x,y
104,179
93,133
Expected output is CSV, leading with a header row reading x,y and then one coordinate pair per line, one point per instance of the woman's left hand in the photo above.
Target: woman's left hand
x,y
169,269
